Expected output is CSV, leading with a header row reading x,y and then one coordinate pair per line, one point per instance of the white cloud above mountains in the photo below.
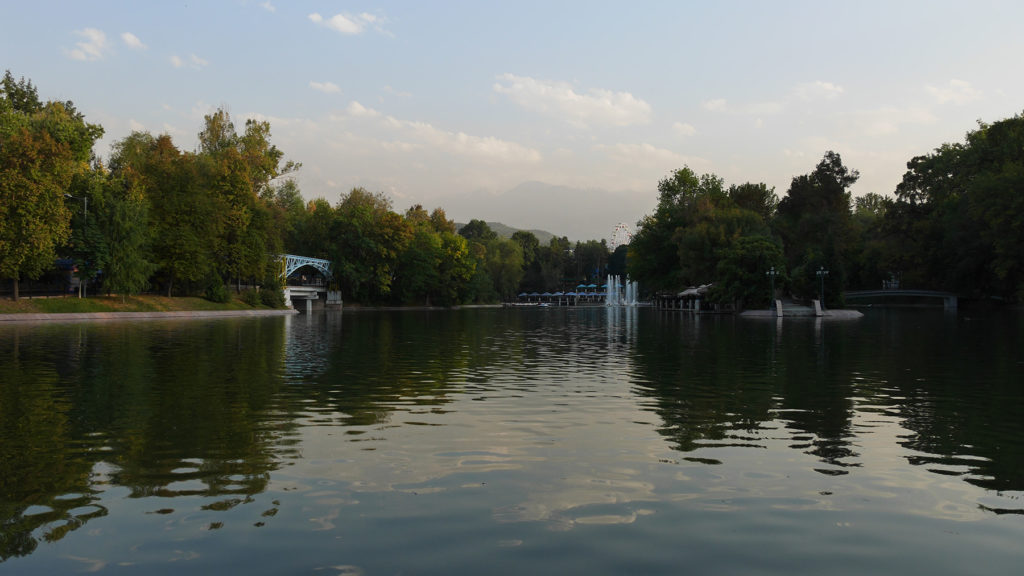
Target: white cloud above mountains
x,y
560,100
410,135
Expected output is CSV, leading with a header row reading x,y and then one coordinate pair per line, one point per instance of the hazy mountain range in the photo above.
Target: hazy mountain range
x,y
579,214
506,231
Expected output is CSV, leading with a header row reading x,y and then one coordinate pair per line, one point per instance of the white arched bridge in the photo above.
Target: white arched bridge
x,y
291,263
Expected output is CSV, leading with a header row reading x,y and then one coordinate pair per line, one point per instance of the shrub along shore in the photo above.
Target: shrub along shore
x,y
134,304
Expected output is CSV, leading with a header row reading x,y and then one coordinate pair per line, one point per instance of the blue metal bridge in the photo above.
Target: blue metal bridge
x,y
291,263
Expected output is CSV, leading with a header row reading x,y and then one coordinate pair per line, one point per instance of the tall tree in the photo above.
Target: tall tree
x,y
477,230
368,239
186,220
42,148
958,217
127,234
814,223
758,198
661,254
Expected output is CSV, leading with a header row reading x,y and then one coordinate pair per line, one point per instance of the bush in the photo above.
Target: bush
x,y
217,292
272,297
251,297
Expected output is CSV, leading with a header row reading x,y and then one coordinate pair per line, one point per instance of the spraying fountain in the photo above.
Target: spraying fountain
x,y
619,294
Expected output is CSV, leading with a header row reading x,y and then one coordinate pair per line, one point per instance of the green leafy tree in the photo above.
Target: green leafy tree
x,y
956,223
42,148
715,224
418,273
758,198
368,240
741,275
617,260
530,246
867,264
479,231
654,252
187,221
590,260
439,220
505,267
814,223
456,269
127,234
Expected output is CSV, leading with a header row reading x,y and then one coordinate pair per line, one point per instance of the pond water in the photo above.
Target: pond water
x,y
551,441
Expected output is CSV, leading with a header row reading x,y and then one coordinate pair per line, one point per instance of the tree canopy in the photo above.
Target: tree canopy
x,y
154,216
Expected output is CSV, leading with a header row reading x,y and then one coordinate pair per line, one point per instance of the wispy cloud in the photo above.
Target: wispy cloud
x,y
888,119
325,87
268,6
817,90
647,155
955,91
94,46
394,92
413,135
359,111
351,24
193,61
721,105
132,41
716,105
684,129
560,100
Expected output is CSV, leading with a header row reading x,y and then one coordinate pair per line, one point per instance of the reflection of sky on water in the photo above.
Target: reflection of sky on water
x,y
780,451
497,430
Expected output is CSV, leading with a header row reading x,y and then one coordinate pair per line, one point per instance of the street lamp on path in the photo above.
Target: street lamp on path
x,y
821,273
771,274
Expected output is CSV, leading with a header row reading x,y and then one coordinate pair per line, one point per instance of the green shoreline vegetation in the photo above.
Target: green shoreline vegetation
x,y
106,304
152,218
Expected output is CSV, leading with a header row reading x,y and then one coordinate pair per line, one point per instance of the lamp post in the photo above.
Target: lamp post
x,y
771,274
821,273
85,223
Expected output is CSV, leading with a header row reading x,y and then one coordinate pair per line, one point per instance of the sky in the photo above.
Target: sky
x,y
556,115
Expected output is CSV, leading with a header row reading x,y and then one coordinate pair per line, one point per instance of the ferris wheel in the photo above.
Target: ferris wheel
x,y
621,234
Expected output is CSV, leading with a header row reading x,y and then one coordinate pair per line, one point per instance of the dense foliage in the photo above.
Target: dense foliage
x,y
155,217
956,223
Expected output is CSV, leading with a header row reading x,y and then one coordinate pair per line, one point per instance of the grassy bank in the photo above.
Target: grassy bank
x,y
144,303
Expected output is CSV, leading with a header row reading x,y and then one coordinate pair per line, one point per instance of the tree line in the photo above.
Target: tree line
x,y
155,217
955,223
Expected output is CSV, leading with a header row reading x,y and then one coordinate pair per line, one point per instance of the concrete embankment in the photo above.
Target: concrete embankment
x,y
85,316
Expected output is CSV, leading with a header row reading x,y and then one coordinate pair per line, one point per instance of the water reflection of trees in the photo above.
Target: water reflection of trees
x,y
720,381
381,362
961,393
163,409
952,382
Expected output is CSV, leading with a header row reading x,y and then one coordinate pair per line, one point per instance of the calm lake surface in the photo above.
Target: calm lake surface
x,y
491,441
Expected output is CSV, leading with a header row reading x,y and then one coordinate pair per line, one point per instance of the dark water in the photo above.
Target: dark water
x,y
583,441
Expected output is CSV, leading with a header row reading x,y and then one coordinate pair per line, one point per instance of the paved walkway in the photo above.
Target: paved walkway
x,y
79,316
